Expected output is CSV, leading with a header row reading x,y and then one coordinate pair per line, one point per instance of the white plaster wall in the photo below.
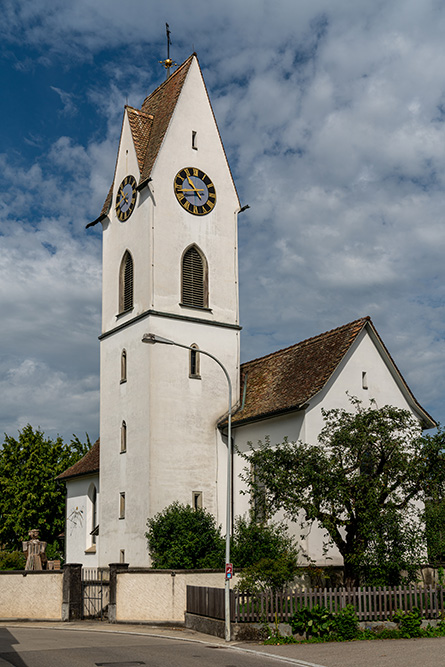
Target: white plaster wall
x,y
78,523
171,434
159,596
132,235
174,228
383,388
36,596
172,440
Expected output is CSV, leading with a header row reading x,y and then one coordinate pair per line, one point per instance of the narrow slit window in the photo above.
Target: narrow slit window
x,y
122,556
364,380
194,140
194,279
197,500
194,362
124,366
126,283
122,506
123,437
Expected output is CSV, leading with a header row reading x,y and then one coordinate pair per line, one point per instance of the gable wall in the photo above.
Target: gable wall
x,y
305,426
79,521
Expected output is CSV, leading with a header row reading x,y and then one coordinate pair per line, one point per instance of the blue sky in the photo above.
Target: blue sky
x,y
332,116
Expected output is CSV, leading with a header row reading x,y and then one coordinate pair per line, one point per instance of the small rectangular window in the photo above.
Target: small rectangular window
x,y
123,366
194,140
364,380
122,556
123,437
122,506
197,500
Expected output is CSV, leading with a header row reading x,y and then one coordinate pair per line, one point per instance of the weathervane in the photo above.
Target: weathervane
x,y
168,63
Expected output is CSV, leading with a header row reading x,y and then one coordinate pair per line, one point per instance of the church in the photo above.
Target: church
x,y
170,270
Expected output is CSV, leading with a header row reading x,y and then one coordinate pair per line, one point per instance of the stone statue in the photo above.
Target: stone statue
x,y
35,551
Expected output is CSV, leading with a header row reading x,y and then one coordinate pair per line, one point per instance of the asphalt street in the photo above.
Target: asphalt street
x,y
102,645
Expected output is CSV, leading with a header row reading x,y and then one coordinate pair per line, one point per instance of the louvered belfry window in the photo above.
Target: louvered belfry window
x,y
194,292
126,286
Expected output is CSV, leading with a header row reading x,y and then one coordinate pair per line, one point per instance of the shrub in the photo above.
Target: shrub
x,y
409,622
12,560
346,625
315,622
181,537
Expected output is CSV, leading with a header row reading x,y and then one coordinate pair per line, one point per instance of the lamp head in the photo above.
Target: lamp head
x,y
152,338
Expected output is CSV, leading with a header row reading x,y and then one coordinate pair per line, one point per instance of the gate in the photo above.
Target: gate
x,y
95,592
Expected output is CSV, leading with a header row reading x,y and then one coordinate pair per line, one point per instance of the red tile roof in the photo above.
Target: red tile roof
x,y
149,125
88,464
286,380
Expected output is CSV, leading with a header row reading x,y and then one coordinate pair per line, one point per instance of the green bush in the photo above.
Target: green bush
x,y
12,560
346,625
409,622
181,537
315,622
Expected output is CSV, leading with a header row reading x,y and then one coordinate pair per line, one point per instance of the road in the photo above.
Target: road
x,y
86,644
47,647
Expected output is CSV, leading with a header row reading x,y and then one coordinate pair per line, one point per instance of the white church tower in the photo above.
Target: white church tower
x,y
169,267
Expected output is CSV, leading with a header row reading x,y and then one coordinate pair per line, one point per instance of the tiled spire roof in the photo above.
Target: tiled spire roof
x,y
88,464
150,123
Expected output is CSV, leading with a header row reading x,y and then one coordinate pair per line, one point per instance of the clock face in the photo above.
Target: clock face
x,y
194,191
126,198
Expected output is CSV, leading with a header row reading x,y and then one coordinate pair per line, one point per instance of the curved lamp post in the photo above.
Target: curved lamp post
x,y
152,339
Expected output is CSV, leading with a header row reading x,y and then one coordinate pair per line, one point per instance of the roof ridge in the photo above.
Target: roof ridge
x,y
169,79
308,340
138,111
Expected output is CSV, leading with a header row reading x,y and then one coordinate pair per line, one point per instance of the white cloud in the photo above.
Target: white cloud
x,y
332,115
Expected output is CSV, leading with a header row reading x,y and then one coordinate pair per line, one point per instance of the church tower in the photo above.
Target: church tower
x,y
170,268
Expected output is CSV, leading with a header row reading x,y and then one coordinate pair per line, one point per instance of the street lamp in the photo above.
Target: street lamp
x,y
152,339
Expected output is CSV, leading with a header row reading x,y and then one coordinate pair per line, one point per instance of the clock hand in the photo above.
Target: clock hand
x,y
194,186
122,194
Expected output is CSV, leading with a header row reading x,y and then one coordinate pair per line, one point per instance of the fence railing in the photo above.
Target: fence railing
x,y
95,592
210,602
377,603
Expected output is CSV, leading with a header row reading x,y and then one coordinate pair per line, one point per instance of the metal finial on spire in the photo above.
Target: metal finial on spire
x,y
168,62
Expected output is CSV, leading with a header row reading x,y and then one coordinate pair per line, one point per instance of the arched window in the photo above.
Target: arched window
x,y
194,371
124,366
123,437
194,278
126,283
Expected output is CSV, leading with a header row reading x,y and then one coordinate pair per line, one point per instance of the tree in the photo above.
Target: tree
x,y
266,553
361,483
30,495
181,537
252,541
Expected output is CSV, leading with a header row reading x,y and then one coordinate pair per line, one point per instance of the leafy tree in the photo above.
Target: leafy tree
x,y
252,541
360,483
181,537
266,553
30,495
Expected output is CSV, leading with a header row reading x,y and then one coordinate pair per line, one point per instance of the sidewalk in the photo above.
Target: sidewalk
x,y
378,653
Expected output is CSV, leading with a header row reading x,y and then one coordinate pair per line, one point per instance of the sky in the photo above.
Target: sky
x,y
333,119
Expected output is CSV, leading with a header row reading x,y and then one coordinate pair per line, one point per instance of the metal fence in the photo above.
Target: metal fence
x,y
370,603
95,592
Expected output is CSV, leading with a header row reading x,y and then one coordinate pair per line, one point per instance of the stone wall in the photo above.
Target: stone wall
x,y
31,595
159,595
